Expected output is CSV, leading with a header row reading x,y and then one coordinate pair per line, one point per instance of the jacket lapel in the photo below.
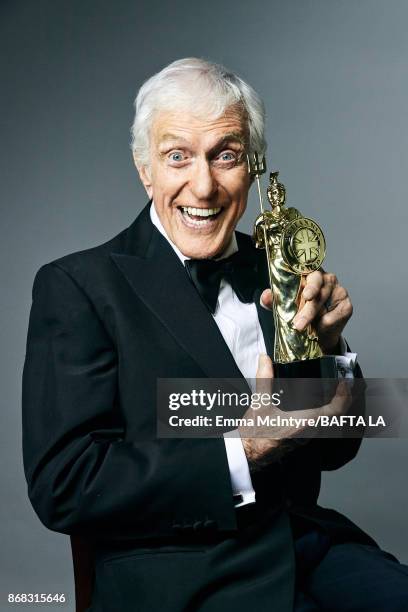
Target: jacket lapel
x,y
160,280
265,316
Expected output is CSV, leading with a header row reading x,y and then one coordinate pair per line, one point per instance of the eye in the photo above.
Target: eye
x,y
176,156
227,158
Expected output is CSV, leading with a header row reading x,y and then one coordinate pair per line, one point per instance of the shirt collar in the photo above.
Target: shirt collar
x,y
231,248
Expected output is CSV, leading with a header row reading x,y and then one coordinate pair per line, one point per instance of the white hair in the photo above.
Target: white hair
x,y
201,87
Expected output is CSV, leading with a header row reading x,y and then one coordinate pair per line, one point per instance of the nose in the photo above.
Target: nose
x,y
202,183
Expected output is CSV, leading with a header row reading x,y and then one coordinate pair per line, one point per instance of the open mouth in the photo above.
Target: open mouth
x,y
199,217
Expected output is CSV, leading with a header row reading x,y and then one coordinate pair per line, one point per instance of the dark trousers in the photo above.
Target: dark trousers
x,y
252,571
347,576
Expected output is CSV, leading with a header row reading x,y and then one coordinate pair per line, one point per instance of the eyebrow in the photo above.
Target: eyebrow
x,y
232,136
172,137
229,137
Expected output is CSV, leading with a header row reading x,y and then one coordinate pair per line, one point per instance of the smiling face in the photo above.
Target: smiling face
x,y
198,178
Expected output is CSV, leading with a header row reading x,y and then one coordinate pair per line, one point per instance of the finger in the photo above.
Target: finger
x,y
267,299
265,367
314,282
338,405
264,374
339,294
341,401
336,318
312,308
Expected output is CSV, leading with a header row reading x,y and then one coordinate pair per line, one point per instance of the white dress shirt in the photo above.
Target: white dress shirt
x,y
241,330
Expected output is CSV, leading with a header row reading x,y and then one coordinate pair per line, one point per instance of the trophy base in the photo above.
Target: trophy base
x,y
321,367
307,384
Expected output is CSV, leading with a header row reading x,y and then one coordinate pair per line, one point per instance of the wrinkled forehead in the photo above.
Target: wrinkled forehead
x,y
178,127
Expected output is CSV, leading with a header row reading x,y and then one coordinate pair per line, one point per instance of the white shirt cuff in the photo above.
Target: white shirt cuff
x,y
239,470
346,361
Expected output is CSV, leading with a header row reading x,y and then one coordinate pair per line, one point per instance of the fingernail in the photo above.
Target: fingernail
x,y
299,323
265,299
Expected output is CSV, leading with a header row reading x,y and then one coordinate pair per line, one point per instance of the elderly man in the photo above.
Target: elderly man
x,y
219,524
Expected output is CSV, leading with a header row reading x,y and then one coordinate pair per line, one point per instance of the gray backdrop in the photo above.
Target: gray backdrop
x,y
333,76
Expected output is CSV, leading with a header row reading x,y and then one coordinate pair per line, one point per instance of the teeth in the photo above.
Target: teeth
x,y
200,212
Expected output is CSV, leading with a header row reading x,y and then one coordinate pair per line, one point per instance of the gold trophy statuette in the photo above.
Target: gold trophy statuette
x,y
295,246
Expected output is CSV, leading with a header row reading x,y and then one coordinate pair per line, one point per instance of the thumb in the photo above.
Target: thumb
x,y
266,299
264,374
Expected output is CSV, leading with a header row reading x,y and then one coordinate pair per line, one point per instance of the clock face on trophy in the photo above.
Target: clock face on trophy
x,y
303,246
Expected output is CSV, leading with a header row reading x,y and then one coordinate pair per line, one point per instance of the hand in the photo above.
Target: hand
x,y
263,451
329,321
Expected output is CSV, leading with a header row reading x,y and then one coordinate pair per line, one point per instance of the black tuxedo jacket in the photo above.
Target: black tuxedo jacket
x,y
105,324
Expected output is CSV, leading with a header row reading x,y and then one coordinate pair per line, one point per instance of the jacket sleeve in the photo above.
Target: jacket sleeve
x,y
332,453
82,475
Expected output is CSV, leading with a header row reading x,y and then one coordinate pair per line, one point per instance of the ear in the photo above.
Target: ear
x,y
145,177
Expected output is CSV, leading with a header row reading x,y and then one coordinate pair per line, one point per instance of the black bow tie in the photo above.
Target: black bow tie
x,y
239,270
